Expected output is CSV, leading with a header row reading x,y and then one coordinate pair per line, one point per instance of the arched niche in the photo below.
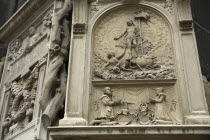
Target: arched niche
x,y
155,36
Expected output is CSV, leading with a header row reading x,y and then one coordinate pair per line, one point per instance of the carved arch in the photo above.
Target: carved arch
x,y
169,19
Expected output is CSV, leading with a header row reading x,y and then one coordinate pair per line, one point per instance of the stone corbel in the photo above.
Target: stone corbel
x,y
185,25
79,28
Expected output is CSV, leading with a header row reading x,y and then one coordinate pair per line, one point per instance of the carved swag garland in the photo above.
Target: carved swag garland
x,y
54,87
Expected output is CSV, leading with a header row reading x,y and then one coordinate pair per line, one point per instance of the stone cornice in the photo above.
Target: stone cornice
x,y
128,131
20,17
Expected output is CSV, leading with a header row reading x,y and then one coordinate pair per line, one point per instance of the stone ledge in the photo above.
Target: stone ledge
x,y
129,131
135,82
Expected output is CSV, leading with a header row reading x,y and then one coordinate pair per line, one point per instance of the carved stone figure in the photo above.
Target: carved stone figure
x,y
131,39
162,112
22,99
54,87
47,22
107,115
32,38
17,93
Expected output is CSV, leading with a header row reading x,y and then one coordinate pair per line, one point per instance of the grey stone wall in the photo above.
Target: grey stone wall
x,y
8,8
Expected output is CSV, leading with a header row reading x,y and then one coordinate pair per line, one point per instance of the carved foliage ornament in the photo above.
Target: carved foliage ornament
x,y
22,98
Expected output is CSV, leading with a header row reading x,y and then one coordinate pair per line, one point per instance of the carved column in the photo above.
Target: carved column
x,y
75,88
198,110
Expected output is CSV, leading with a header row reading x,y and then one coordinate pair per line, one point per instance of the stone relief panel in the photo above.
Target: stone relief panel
x,y
29,48
28,41
134,105
132,43
22,94
133,70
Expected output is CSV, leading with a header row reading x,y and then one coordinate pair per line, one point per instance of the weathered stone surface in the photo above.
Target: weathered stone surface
x,y
103,69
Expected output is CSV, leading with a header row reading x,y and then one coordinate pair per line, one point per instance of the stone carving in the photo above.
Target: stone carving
x,y
32,39
167,5
18,48
15,50
79,28
162,112
140,55
47,23
22,99
134,106
95,7
107,114
54,87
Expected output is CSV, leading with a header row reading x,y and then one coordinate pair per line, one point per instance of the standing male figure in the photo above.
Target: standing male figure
x,y
131,39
